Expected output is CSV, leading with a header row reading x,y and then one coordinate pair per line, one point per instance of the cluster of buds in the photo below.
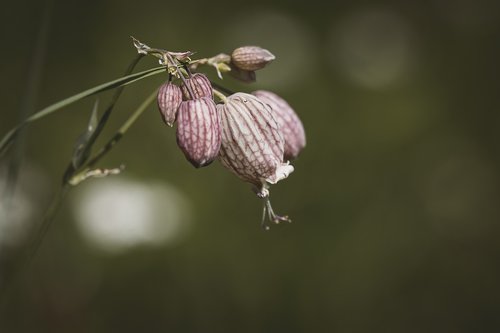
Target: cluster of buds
x,y
198,124
255,136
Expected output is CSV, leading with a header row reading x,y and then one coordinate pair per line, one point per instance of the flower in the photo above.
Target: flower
x,y
251,58
199,131
289,122
198,85
252,144
169,99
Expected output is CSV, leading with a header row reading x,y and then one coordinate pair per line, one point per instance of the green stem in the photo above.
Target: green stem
x,y
52,210
47,220
221,88
28,102
76,163
11,277
123,129
220,95
8,138
179,72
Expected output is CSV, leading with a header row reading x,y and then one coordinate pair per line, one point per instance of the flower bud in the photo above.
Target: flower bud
x,y
290,124
169,99
199,85
252,144
199,131
251,58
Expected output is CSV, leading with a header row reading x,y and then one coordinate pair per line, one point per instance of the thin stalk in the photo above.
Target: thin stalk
x,y
52,210
188,87
220,95
115,97
8,138
48,217
221,88
11,276
47,220
123,129
71,168
29,101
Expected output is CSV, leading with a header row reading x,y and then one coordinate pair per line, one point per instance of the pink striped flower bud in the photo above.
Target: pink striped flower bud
x,y
252,145
169,99
199,131
199,85
289,122
251,58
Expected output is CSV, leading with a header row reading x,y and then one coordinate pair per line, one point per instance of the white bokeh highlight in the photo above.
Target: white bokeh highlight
x,y
15,213
117,214
21,207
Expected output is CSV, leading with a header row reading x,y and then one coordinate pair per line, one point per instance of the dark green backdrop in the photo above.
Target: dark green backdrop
x,y
395,200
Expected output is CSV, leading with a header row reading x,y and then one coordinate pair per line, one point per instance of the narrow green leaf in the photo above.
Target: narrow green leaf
x,y
92,91
80,153
123,129
7,139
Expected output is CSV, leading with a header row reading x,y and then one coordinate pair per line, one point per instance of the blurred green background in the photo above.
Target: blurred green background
x,y
395,199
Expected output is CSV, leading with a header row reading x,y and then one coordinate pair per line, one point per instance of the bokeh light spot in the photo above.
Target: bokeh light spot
x,y
118,214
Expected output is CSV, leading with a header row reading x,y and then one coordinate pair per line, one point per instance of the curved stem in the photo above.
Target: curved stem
x,y
221,88
220,95
123,129
186,68
179,72
8,138
73,165
29,100
47,221
26,257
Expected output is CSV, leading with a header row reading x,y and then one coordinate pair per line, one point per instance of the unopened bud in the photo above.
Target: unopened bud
x,y
289,122
197,86
251,58
199,131
169,99
252,144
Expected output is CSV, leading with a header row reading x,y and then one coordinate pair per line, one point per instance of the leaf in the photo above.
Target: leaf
x,y
125,80
123,129
80,153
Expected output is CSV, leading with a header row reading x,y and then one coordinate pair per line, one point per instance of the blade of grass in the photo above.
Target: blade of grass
x,y
30,97
7,139
51,212
123,129
104,118
76,179
85,149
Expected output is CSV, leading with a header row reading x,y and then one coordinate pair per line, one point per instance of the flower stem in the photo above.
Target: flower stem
x,y
181,75
220,95
123,129
74,166
221,88
9,137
